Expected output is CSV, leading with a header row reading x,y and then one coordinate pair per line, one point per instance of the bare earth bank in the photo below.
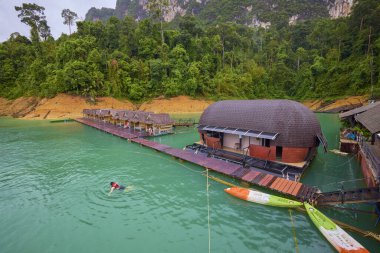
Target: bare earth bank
x,y
68,106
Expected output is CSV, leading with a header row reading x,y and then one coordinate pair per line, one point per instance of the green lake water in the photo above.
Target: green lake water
x,y
54,182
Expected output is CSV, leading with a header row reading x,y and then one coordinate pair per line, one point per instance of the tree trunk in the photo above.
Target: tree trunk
x,y
223,56
162,33
339,50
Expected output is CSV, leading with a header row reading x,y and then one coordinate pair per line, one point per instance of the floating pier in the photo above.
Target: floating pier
x,y
184,122
250,175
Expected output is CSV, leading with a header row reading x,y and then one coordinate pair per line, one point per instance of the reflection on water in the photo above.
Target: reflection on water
x,y
54,183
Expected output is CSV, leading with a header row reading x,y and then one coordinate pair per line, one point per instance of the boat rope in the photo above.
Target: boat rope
x,y
341,224
344,181
208,213
220,180
373,235
350,209
344,163
294,231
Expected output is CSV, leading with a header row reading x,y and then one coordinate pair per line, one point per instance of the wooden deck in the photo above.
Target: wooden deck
x,y
184,122
251,175
371,194
112,129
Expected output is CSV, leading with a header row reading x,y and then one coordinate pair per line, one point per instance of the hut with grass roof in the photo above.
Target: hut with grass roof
x,y
276,130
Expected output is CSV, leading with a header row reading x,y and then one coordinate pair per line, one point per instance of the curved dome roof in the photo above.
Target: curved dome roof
x,y
296,124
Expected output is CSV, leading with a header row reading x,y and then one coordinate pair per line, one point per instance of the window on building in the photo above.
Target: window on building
x,y
265,142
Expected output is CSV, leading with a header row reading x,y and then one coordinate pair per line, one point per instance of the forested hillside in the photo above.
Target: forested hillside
x,y
319,58
247,12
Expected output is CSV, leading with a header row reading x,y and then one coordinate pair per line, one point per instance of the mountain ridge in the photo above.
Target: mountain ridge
x,y
253,13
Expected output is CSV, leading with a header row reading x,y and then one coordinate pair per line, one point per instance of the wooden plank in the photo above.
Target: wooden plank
x,y
285,186
309,193
269,180
275,183
250,175
239,173
300,193
291,187
261,182
257,174
296,189
258,178
281,184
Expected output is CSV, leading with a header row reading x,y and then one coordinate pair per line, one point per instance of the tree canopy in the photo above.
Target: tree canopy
x,y
139,60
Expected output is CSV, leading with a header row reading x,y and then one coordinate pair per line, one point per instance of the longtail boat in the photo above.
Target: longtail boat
x,y
338,238
261,198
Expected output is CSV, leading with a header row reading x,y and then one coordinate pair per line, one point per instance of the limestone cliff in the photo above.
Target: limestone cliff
x,y
253,13
340,8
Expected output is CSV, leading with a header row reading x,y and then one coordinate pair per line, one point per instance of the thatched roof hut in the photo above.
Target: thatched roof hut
x,y
286,123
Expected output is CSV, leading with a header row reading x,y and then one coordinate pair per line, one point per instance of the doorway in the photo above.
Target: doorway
x,y
279,153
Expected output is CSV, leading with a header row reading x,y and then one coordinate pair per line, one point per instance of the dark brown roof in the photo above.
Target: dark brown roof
x,y
128,115
104,112
296,125
358,110
98,111
116,113
370,119
159,119
90,111
87,111
139,116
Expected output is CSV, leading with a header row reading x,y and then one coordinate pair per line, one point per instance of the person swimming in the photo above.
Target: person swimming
x,y
116,186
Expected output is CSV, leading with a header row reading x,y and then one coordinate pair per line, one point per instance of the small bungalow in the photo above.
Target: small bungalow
x,y
137,121
148,122
158,124
275,130
115,116
125,119
101,114
349,116
88,113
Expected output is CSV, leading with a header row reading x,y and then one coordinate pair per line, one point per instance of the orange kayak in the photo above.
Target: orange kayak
x,y
261,198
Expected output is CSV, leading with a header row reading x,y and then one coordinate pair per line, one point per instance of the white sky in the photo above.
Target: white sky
x,y
10,23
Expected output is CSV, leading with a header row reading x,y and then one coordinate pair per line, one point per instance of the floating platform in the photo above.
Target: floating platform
x,y
250,175
61,120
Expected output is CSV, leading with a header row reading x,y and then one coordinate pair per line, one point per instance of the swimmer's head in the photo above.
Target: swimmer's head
x,y
112,183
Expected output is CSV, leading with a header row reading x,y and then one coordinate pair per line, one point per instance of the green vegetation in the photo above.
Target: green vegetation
x,y
318,58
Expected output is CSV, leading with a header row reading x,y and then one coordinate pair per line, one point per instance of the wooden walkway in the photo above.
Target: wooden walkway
x,y
184,122
111,129
361,195
251,175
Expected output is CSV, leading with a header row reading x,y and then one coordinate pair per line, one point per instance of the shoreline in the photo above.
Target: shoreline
x,y
65,106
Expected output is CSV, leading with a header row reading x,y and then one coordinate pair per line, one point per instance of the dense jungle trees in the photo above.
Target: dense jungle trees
x,y
139,60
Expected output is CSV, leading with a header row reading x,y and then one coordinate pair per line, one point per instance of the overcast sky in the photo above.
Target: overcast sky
x,y
10,23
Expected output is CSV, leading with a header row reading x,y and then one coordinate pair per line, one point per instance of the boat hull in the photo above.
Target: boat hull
x,y
261,198
338,238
